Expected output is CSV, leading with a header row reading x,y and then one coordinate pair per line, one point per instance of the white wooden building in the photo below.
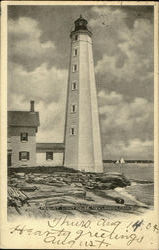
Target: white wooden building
x,y
49,154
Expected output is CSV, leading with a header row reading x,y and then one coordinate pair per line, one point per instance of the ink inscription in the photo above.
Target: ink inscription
x,y
66,232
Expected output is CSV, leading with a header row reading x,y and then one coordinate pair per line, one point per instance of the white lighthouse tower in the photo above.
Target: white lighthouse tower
x,y
82,131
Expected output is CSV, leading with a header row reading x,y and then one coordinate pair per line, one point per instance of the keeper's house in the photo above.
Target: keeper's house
x,y
22,129
22,147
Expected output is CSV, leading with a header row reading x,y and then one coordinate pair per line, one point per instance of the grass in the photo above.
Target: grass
x,y
41,169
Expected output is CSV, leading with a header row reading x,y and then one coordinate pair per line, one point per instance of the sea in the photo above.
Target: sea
x,y
141,176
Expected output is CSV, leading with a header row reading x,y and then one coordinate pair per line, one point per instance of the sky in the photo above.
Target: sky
x,y
38,60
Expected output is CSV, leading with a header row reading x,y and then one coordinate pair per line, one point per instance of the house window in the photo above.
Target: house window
x,y
74,68
76,37
72,131
75,52
24,137
74,85
23,155
49,156
73,108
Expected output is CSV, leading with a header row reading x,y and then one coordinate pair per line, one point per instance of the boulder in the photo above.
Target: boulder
x,y
119,200
117,180
78,193
78,185
28,188
19,175
104,186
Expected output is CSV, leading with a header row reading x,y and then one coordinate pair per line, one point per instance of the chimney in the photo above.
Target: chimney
x,y
31,106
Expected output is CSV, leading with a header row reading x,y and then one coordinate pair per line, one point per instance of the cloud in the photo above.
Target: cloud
x,y
106,24
25,46
125,54
48,88
135,149
123,121
52,118
108,17
133,58
110,99
47,84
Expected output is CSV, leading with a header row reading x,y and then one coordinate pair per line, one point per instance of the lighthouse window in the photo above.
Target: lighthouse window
x,y
74,85
72,131
74,68
73,108
75,52
76,37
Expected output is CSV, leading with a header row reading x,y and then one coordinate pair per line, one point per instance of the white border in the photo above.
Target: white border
x,y
3,100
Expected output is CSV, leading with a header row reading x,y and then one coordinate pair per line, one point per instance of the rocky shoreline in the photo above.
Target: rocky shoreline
x,y
39,193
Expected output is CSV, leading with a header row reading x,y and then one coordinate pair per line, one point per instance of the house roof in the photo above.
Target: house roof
x,y
23,119
52,146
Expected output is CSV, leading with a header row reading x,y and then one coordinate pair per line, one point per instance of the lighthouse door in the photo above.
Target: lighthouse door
x,y
9,159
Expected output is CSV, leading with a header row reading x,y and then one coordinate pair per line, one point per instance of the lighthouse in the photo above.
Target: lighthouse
x,y
82,131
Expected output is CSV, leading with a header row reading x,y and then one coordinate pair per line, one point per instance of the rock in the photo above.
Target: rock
x,y
59,179
16,198
67,180
42,206
104,186
78,193
50,179
78,185
113,173
90,187
13,180
119,200
28,189
38,179
37,175
20,175
73,185
89,199
115,180
57,184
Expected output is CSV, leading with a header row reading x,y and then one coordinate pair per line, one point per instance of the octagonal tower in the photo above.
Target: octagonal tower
x,y
82,130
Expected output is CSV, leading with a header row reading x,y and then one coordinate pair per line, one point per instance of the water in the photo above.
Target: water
x,y
132,170
137,173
